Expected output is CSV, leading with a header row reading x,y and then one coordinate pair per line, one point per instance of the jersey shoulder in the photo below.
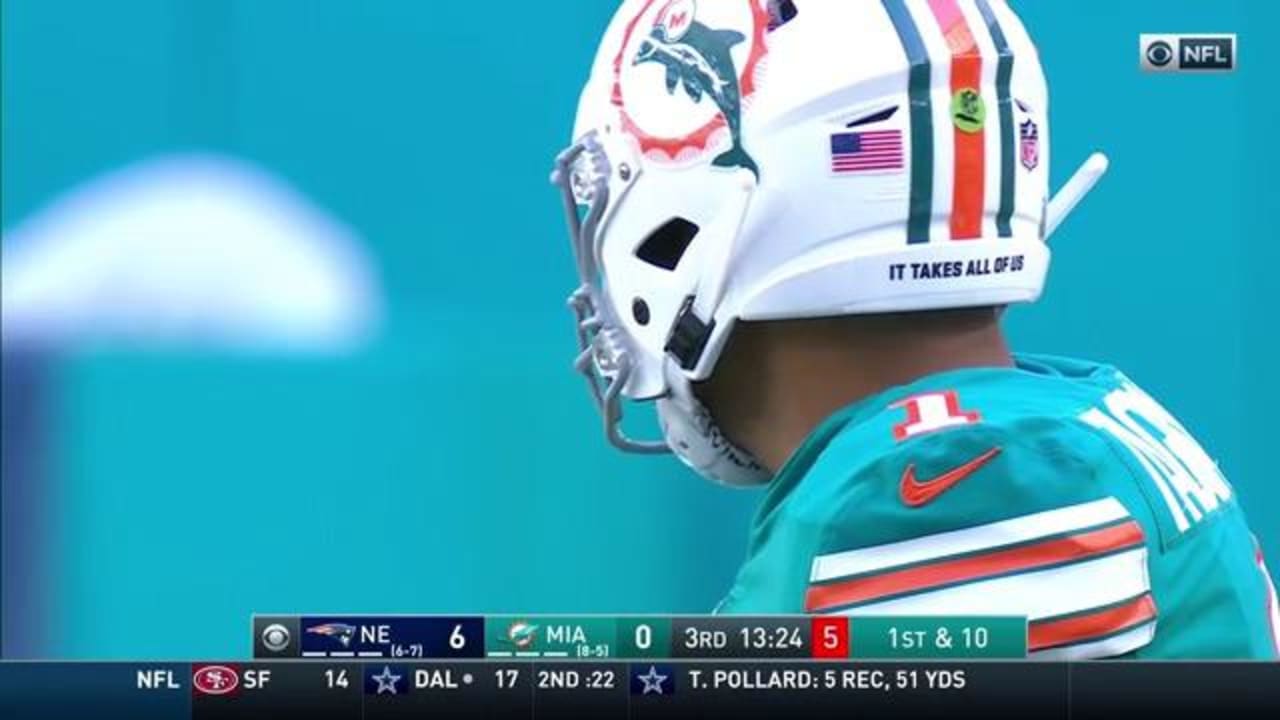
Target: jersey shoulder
x,y
988,497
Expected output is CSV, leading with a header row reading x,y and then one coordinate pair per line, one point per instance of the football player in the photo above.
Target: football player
x,y
797,225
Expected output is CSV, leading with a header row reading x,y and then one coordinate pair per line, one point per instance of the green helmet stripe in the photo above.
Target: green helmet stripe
x,y
921,108
1004,76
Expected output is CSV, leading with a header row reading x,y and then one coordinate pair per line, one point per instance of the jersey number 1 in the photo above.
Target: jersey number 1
x,y
932,411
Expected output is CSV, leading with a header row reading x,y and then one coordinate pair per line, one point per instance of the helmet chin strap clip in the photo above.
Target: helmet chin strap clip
x,y
689,336
690,333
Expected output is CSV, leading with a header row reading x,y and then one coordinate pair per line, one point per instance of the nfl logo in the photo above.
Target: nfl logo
x,y
1030,145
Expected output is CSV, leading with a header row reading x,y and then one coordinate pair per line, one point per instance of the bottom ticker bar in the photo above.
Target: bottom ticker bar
x,y
659,689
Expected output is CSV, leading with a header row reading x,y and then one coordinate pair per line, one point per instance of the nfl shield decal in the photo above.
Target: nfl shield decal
x,y
1030,133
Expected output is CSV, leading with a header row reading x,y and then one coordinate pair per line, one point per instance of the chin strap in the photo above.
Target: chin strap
x,y
1085,179
694,437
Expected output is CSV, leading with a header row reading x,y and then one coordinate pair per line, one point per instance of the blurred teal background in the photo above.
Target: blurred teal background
x,y
456,463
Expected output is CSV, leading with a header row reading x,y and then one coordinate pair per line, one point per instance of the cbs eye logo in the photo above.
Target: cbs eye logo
x,y
1159,53
1187,53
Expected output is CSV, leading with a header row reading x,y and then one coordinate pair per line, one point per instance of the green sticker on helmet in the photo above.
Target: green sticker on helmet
x,y
968,110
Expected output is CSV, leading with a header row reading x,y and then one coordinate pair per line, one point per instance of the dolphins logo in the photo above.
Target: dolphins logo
x,y
522,634
698,58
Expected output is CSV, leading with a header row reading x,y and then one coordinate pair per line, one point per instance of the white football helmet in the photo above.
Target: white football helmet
x,y
764,159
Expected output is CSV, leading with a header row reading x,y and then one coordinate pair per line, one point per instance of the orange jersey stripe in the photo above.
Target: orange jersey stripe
x,y
965,569
1044,634
968,196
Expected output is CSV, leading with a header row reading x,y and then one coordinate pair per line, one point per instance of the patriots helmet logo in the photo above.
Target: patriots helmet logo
x,y
337,631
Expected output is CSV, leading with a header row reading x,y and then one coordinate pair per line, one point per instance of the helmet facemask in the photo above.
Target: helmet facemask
x,y
605,358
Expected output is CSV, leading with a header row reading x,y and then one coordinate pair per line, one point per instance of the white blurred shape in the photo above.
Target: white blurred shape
x,y
192,249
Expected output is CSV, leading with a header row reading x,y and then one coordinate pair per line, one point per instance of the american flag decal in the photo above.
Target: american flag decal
x,y
856,152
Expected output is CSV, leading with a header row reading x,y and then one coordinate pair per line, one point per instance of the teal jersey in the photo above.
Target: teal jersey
x,y
1055,490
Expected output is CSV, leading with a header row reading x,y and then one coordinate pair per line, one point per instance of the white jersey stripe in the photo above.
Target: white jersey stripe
x,y
1126,641
982,537
1038,594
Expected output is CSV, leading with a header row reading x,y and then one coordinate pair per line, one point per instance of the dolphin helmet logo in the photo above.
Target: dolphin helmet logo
x,y
707,60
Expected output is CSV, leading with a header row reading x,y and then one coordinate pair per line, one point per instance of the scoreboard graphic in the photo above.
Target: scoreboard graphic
x,y
679,637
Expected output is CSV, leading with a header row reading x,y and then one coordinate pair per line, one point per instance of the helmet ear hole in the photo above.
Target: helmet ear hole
x,y
667,245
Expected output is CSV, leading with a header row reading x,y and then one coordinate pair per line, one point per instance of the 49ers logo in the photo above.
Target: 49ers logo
x,y
683,74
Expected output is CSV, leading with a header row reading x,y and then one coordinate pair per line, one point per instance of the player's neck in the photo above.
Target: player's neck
x,y
799,374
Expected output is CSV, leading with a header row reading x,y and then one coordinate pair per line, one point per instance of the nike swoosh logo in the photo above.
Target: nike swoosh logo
x,y
916,493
